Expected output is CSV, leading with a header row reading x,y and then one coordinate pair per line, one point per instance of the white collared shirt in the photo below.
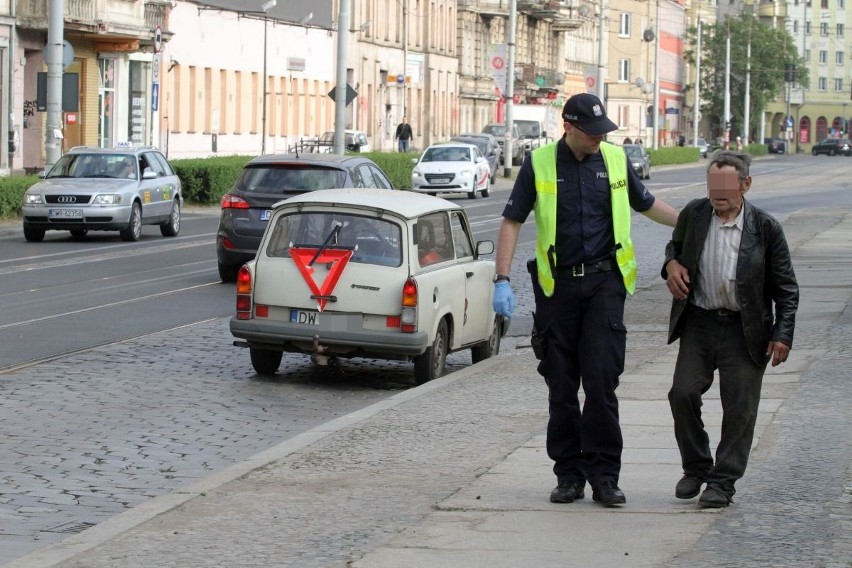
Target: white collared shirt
x,y
716,284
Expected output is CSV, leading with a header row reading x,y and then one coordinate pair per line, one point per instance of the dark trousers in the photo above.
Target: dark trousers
x,y
709,342
583,323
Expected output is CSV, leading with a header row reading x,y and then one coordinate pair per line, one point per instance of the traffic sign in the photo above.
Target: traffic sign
x,y
350,94
400,79
158,39
155,69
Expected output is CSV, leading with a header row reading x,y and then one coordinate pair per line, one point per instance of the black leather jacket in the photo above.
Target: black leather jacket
x,y
764,275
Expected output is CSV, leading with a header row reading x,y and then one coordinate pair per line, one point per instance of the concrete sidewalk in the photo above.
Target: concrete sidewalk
x,y
454,473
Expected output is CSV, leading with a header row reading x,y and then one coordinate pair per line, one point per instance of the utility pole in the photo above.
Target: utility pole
x,y
696,112
510,90
601,46
340,88
656,116
53,124
727,109
747,109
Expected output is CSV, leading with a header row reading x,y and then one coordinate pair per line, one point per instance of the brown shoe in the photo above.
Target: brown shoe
x,y
568,491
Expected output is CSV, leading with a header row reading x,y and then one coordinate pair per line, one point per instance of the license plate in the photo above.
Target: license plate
x,y
265,215
304,317
440,181
65,213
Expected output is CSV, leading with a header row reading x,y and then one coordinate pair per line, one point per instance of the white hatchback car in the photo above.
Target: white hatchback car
x,y
451,168
368,273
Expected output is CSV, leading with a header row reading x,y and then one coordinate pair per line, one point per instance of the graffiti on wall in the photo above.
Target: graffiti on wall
x,y
29,110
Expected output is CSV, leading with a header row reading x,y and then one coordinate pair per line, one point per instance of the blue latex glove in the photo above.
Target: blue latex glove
x,y
504,299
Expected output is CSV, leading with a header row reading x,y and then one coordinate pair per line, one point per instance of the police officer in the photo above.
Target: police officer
x,y
581,190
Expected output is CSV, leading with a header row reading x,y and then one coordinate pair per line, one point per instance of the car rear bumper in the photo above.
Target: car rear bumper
x,y
300,338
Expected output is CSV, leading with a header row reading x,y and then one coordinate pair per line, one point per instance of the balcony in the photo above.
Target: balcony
x,y
98,16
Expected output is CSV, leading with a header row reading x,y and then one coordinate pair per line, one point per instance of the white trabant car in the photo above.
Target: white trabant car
x,y
453,167
367,273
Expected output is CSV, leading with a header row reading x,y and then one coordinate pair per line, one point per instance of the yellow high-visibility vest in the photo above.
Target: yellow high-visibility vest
x,y
544,168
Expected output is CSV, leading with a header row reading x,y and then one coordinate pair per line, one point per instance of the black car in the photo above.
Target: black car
x,y
776,146
832,146
490,150
266,180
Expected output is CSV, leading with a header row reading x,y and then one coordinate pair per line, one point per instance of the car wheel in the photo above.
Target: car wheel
x,y
813,151
33,234
172,227
487,190
264,361
79,233
430,365
831,152
134,228
228,272
472,194
489,348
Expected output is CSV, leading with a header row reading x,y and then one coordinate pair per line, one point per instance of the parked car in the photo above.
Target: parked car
x,y
639,160
491,138
520,147
366,273
266,180
703,147
832,146
451,167
491,151
776,146
98,189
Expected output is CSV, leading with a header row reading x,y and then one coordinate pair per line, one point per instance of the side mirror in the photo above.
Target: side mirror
x,y
149,174
484,247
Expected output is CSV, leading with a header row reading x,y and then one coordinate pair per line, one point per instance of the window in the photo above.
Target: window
x,y
823,84
841,4
624,25
838,58
796,27
808,27
840,30
823,3
838,85
823,29
623,70
461,238
823,56
434,239
623,116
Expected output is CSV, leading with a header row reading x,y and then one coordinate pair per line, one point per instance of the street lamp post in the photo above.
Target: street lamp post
x,y
265,7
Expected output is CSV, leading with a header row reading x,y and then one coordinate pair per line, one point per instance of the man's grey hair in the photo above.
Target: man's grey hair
x,y
739,160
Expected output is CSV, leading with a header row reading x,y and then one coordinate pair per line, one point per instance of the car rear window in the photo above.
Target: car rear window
x,y
273,178
373,240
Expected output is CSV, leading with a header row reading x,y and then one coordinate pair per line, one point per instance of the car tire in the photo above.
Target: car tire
x,y
831,152
33,234
648,173
133,232
489,348
171,228
813,152
228,272
472,194
431,364
265,361
79,233
487,191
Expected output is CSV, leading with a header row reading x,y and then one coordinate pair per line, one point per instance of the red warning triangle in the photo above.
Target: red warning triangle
x,y
335,259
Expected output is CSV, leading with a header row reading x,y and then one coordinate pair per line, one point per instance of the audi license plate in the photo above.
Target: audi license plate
x,y
65,213
305,317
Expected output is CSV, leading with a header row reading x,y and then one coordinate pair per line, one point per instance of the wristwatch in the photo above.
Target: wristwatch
x,y
501,277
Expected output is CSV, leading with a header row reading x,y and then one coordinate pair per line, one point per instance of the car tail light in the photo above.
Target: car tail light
x,y
244,293
233,202
408,318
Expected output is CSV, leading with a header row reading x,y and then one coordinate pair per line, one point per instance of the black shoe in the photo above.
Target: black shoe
x,y
608,494
688,487
714,498
568,491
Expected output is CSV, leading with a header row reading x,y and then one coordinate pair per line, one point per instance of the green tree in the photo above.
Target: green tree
x,y
771,50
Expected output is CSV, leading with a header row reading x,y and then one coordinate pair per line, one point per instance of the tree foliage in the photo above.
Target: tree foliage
x,y
771,50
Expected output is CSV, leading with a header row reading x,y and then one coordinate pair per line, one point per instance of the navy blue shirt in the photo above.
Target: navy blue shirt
x,y
583,205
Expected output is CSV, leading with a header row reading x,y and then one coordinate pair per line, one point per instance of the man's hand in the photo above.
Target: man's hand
x,y
779,352
678,280
504,299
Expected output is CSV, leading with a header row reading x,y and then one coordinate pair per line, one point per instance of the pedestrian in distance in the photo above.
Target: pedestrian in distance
x,y
734,306
627,141
581,190
404,135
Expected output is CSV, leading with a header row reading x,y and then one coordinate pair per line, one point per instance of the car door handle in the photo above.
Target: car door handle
x,y
469,274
